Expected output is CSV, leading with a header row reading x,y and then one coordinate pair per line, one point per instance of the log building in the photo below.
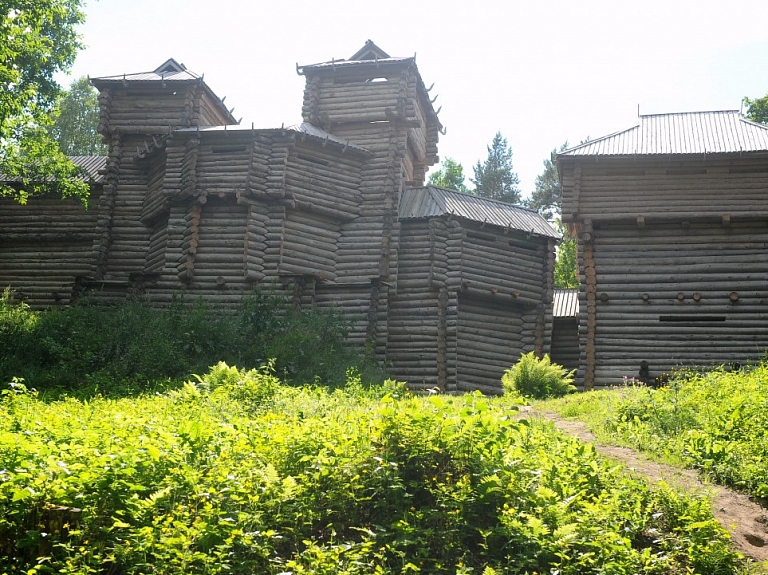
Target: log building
x,y
672,224
445,289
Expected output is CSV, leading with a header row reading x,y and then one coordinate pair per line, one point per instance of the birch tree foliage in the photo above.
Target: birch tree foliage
x,y
39,39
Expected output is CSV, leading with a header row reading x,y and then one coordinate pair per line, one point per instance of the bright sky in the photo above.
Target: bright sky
x,y
539,72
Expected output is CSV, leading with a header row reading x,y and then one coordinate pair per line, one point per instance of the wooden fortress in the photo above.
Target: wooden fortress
x,y
672,221
447,290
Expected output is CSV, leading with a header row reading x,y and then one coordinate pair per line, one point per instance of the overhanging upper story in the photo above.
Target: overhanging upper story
x,y
710,165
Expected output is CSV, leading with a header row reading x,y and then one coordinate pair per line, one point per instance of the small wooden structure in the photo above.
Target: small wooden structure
x,y
565,328
672,224
194,202
474,279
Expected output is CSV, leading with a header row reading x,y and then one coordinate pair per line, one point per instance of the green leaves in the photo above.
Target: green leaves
x,y
495,178
306,480
537,378
39,39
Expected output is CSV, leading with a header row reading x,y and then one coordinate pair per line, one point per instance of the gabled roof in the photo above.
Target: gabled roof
x,y
369,51
434,201
168,71
720,132
369,54
565,303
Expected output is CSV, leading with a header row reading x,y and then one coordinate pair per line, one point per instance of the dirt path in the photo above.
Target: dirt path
x,y
745,520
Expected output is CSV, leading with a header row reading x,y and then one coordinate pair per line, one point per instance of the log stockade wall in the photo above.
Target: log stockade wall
x,y
673,262
193,204
45,246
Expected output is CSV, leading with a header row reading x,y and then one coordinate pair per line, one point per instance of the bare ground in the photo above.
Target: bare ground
x,y
746,520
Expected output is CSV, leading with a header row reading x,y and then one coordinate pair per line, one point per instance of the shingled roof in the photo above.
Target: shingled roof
x,y
433,201
720,132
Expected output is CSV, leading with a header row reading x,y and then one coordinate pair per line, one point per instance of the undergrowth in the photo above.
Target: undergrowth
x,y
237,473
130,347
715,421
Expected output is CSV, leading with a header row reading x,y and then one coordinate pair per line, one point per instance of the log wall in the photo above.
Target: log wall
x,y
45,246
615,189
672,296
565,342
448,333
673,262
414,316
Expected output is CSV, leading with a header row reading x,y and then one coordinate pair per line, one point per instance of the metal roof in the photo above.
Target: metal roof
x,y
91,164
94,166
168,71
565,303
304,129
681,133
333,64
433,201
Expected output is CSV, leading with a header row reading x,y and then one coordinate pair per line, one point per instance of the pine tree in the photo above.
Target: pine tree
x,y
495,179
547,194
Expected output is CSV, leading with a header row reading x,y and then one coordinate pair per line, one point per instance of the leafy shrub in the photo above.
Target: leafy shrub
x,y
325,481
252,389
537,378
129,347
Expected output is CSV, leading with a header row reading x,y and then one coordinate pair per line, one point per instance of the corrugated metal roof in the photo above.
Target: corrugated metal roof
x,y
92,166
681,133
565,303
433,201
169,71
350,63
304,128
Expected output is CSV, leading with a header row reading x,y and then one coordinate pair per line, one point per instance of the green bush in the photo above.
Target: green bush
x,y
537,378
325,481
130,347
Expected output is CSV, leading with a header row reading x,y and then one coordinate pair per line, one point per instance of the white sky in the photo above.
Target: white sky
x,y
539,72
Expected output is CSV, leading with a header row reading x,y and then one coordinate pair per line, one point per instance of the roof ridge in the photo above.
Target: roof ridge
x,y
694,112
483,198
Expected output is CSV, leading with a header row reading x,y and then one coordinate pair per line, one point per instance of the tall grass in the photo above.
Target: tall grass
x,y
132,346
714,421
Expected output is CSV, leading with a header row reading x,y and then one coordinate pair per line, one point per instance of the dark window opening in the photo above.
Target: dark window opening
x,y
228,150
691,318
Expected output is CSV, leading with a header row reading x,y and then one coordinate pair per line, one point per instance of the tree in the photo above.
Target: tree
x,y
757,110
565,263
547,194
75,120
38,40
450,175
495,178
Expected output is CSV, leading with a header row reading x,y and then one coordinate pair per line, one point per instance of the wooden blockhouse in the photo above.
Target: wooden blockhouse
x,y
672,224
193,202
